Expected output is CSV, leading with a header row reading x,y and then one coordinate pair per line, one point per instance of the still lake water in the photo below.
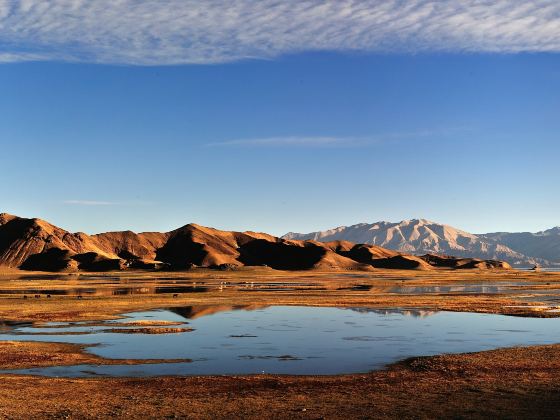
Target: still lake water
x,y
286,340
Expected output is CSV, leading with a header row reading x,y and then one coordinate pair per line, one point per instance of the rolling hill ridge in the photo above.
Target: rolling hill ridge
x,y
34,244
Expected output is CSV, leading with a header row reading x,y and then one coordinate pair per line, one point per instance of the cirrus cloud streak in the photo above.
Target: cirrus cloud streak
x,y
302,141
348,141
90,203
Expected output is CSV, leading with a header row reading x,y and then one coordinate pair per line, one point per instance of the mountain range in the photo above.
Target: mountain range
x,y
34,244
420,236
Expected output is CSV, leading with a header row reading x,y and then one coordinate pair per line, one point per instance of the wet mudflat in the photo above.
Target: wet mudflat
x,y
113,286
74,297
296,340
106,286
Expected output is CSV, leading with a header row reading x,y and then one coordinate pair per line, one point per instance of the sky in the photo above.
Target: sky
x,y
280,116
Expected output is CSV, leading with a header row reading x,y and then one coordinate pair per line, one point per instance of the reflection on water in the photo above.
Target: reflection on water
x,y
193,312
284,339
364,287
9,326
459,289
417,313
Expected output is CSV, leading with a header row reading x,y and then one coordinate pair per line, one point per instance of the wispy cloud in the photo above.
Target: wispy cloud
x,y
333,141
90,203
294,141
147,32
7,57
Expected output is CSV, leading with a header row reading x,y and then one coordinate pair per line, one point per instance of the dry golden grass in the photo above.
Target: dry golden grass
x,y
30,354
23,355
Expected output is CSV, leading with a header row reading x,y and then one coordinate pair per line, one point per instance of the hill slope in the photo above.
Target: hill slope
x,y
34,244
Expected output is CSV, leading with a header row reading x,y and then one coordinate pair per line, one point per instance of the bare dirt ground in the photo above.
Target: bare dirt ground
x,y
508,383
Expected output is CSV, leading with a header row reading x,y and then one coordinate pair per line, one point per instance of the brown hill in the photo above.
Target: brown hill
x,y
377,256
403,262
37,245
33,244
363,253
206,247
128,245
463,263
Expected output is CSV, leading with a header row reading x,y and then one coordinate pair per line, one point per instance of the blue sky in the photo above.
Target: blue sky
x,y
300,139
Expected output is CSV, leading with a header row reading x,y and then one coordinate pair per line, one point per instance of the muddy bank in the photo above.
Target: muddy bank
x,y
31,354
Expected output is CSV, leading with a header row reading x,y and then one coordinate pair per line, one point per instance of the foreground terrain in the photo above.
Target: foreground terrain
x,y
511,383
507,383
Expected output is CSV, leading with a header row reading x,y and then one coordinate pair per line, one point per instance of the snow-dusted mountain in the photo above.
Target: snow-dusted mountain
x,y
420,236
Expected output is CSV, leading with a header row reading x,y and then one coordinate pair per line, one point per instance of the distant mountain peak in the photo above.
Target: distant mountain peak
x,y
552,231
417,221
421,236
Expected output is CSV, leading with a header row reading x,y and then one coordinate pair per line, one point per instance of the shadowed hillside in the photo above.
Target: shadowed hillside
x,y
33,244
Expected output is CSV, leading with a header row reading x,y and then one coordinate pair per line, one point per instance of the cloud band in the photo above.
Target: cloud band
x,y
165,32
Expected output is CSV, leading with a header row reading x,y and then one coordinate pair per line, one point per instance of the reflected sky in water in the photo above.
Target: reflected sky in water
x,y
289,339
